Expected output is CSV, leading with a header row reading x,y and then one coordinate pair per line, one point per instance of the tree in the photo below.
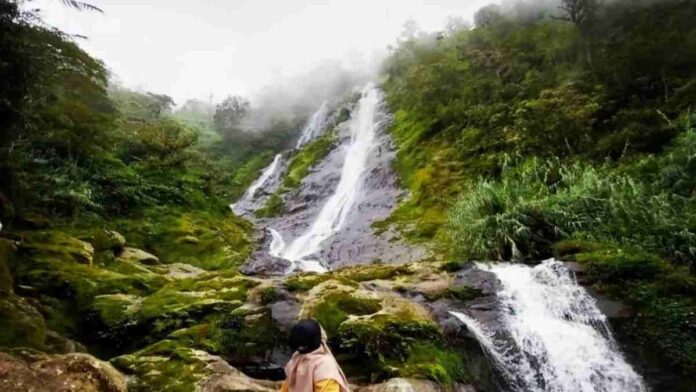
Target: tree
x,y
580,12
488,15
229,114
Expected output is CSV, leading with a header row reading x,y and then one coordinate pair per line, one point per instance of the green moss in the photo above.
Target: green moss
x,y
275,206
21,325
621,264
434,362
305,282
212,241
308,156
335,308
462,293
364,273
268,295
245,334
390,346
165,366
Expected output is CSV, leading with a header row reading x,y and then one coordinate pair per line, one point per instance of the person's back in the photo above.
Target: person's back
x,y
313,367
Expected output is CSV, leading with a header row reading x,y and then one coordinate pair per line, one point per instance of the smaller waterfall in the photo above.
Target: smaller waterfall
x,y
250,193
315,126
363,127
561,342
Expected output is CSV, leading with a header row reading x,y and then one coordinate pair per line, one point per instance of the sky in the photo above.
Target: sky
x,y
195,49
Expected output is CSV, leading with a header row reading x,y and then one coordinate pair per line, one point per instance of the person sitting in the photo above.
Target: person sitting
x,y
312,367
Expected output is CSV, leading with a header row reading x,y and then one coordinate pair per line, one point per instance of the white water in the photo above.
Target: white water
x,y
363,127
261,181
561,341
315,125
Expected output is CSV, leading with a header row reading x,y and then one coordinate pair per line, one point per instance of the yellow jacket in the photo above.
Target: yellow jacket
x,y
328,385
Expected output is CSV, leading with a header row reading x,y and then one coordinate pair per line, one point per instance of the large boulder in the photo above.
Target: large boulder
x,y
263,264
21,325
133,255
168,366
107,240
412,385
33,371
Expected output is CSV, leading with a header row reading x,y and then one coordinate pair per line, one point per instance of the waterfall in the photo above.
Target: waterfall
x,y
363,127
561,341
315,126
261,181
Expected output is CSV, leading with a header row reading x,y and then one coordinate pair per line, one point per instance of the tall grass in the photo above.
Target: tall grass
x,y
539,202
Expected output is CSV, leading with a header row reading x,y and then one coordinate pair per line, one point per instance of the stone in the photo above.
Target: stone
x,y
178,271
7,252
32,371
21,325
403,385
263,264
134,255
108,240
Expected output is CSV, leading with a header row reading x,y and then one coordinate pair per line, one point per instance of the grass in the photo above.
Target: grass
x,y
308,156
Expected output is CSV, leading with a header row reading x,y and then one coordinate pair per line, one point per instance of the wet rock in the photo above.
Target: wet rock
x,y
286,313
107,240
412,385
178,271
263,264
138,255
167,366
33,371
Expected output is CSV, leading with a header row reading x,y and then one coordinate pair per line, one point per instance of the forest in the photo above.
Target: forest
x,y
534,132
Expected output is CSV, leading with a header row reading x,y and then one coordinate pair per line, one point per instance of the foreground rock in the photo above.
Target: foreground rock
x,y
33,371
412,385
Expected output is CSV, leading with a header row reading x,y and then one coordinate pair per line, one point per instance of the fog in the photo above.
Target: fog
x,y
208,49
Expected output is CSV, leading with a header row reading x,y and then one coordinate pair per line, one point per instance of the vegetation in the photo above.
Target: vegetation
x,y
307,157
557,128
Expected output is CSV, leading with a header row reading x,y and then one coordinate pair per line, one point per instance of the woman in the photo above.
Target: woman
x,y
313,367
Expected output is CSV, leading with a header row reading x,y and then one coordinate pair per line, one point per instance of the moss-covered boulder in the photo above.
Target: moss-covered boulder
x,y
103,239
22,371
21,325
52,245
169,366
133,255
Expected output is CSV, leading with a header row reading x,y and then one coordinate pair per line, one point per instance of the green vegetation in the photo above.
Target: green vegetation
x,y
308,156
547,130
275,206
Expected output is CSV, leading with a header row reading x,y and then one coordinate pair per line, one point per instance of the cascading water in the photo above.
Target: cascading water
x,y
363,127
315,125
250,193
561,341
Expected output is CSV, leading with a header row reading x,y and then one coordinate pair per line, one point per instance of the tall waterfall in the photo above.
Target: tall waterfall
x,y
363,127
261,181
315,125
561,342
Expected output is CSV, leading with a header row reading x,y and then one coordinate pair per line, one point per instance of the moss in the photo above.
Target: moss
x,y
364,273
434,362
275,206
621,264
211,241
245,334
268,295
165,366
383,345
21,325
56,245
566,250
307,157
462,293
335,308
304,282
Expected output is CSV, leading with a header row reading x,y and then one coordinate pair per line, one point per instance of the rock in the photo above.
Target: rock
x,y
178,271
263,264
21,325
167,366
286,313
59,344
411,385
134,255
7,252
31,371
56,245
108,240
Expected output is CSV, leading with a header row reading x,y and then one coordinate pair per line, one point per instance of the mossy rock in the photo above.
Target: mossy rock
x,y
103,239
8,252
275,206
337,306
21,325
222,241
56,245
133,255
610,265
362,273
308,156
